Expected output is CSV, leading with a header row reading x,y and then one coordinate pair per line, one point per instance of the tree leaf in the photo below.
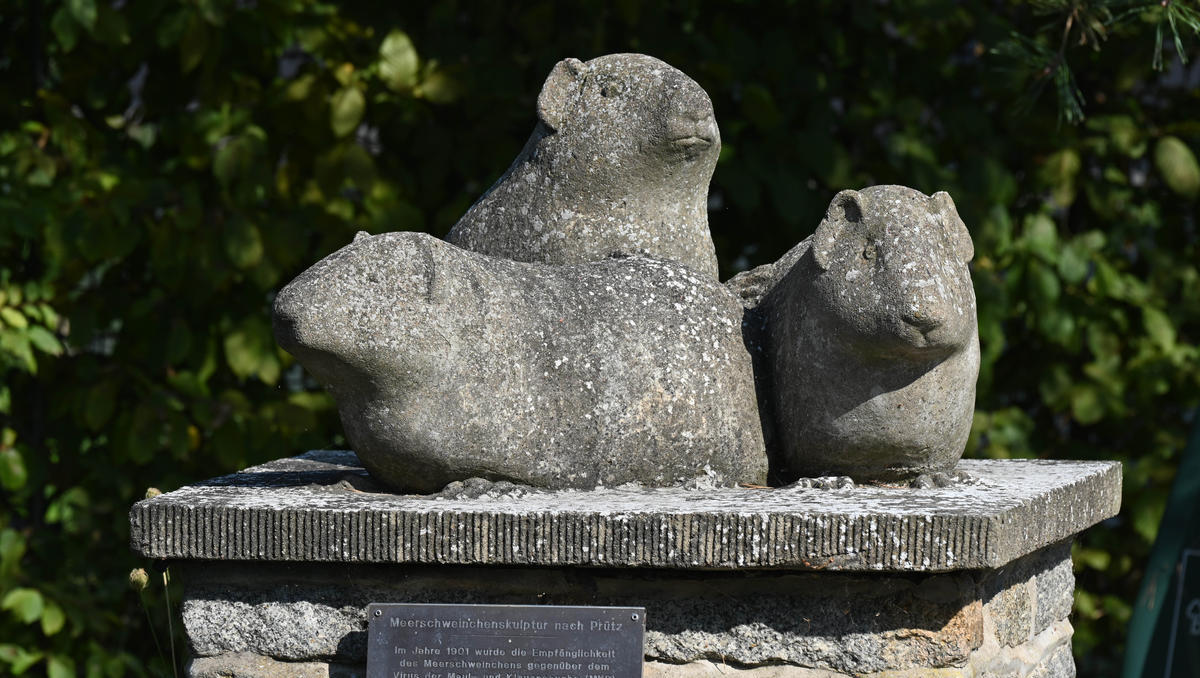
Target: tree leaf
x,y
1059,173
65,28
1073,263
439,87
44,341
1158,327
14,318
58,666
52,618
12,549
398,62
13,473
250,351
1178,166
346,110
25,604
1041,236
1086,405
84,11
19,659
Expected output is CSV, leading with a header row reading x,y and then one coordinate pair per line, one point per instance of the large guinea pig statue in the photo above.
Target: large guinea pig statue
x,y
619,162
868,339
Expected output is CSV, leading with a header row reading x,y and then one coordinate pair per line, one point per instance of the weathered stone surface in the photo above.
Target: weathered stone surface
x,y
1060,664
246,665
448,364
708,669
1055,585
305,509
1025,597
867,339
1046,655
833,621
1012,609
620,160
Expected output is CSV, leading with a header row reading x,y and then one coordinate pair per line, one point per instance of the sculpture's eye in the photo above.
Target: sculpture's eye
x,y
869,251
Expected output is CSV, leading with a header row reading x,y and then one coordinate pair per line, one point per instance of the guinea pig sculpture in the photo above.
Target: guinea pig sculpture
x,y
870,338
619,161
447,364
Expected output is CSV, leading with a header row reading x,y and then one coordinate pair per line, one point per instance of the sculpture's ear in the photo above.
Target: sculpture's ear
x,y
556,92
955,228
846,209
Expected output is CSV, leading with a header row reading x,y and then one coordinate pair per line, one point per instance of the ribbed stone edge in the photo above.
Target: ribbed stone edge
x,y
705,539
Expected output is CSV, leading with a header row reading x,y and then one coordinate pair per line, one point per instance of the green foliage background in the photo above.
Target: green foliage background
x,y
166,166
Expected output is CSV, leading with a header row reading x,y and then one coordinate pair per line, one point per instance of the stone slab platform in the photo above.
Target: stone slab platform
x,y
310,508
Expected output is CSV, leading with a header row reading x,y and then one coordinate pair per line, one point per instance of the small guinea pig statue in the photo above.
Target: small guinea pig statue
x,y
870,339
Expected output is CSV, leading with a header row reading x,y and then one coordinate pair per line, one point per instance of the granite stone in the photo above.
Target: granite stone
x,y
305,509
845,622
1046,655
619,161
1012,609
1055,588
866,341
248,665
1060,664
447,364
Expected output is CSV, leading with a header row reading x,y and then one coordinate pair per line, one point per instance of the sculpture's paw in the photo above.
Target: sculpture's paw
x,y
940,479
822,483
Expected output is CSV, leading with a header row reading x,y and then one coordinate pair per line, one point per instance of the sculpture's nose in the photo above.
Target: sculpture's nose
x,y
922,319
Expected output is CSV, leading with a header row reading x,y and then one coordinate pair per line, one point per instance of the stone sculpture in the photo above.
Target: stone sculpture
x,y
868,338
448,364
619,161
572,333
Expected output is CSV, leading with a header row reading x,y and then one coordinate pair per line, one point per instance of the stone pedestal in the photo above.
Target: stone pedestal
x,y
279,562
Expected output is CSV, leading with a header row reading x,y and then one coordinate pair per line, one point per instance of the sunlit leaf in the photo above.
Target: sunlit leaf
x,y
1059,173
84,11
44,341
250,351
1158,327
14,318
13,472
1086,406
1178,166
58,666
12,549
398,62
439,87
25,603
346,110
1041,235
52,618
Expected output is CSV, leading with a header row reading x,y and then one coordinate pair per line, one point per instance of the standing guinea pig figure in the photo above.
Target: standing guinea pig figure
x,y
619,161
871,338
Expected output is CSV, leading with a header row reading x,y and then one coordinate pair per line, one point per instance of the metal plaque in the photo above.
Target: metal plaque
x,y
504,641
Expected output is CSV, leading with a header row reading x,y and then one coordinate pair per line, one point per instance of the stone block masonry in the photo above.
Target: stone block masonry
x,y
279,562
